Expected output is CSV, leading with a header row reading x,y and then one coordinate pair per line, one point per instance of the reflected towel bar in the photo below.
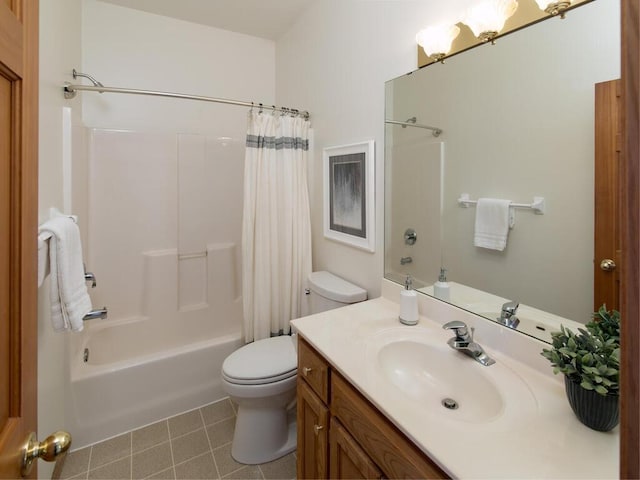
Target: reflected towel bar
x,y
436,131
538,204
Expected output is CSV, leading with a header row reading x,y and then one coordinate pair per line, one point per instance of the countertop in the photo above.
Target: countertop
x,y
540,438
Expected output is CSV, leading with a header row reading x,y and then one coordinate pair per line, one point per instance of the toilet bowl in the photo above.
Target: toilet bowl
x,y
260,378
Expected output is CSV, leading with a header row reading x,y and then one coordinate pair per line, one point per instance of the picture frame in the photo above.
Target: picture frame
x,y
348,181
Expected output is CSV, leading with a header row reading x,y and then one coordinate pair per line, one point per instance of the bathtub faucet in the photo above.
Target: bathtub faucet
x,y
100,313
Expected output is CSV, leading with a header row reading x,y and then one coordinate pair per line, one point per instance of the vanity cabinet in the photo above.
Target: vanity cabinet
x,y
342,435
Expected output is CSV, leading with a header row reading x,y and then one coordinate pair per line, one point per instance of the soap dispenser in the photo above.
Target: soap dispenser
x,y
408,304
441,288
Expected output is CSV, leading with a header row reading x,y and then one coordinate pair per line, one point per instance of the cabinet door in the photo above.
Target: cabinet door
x,y
313,435
346,457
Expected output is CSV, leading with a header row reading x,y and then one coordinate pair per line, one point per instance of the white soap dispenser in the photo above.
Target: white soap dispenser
x,y
441,288
408,304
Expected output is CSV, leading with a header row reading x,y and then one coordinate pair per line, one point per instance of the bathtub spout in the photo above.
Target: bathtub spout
x,y
100,313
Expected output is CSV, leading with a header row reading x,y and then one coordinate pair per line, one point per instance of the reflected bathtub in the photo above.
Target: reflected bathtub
x,y
138,372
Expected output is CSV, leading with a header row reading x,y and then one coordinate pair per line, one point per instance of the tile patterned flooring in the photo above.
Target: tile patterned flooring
x,y
193,445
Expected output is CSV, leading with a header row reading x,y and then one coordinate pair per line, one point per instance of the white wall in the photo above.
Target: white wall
x,y
59,53
334,62
122,47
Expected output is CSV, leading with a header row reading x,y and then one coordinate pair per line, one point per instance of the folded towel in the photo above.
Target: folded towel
x,y
70,300
492,223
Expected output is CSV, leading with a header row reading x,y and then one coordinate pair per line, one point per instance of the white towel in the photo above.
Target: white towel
x,y
492,223
70,300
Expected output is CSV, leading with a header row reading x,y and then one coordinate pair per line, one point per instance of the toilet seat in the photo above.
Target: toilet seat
x,y
261,362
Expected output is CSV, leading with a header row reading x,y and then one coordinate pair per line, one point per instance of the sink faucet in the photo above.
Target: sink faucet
x,y
463,341
508,315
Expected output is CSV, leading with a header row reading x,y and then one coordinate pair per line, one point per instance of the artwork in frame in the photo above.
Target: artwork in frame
x,y
349,176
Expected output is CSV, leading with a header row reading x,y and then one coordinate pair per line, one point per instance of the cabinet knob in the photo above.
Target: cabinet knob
x,y
317,428
306,371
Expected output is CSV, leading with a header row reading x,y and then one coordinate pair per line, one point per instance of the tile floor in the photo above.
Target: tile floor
x,y
193,445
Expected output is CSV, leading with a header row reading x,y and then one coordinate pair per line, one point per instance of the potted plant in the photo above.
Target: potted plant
x,y
590,362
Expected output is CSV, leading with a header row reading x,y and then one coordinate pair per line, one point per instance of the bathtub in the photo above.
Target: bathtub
x,y
138,371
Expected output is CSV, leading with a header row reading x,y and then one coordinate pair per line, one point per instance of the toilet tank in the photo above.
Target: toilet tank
x,y
328,292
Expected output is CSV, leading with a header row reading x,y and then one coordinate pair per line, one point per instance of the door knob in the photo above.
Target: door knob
x,y
608,265
53,447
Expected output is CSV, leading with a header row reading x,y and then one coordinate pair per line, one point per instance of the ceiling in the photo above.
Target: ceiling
x,y
268,19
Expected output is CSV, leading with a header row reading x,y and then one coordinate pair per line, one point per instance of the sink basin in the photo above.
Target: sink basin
x,y
430,374
419,367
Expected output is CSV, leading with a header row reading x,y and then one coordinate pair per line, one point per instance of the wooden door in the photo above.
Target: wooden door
x,y
18,228
608,195
313,435
347,460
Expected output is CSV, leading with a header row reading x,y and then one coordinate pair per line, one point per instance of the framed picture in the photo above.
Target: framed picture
x,y
348,194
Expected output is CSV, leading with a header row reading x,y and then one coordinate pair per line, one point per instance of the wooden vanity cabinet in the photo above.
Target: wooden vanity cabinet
x,y
342,435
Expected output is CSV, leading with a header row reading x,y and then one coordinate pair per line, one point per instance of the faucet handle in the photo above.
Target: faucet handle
x,y
510,308
459,328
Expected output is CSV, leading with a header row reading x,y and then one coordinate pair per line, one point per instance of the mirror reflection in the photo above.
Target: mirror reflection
x,y
517,121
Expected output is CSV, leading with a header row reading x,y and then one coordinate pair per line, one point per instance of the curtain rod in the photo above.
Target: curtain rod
x,y
436,131
70,91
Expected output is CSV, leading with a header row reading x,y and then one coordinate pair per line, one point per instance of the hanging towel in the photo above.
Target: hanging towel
x,y
492,223
70,300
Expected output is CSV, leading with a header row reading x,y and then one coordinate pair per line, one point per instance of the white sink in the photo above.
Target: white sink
x,y
425,371
431,374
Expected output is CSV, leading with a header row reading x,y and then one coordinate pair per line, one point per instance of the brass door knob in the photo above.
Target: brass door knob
x,y
53,446
306,371
608,265
317,428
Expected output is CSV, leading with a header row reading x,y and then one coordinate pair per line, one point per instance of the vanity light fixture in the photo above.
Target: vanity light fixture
x,y
436,41
487,19
554,8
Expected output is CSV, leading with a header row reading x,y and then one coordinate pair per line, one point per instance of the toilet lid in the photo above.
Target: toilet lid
x,y
264,361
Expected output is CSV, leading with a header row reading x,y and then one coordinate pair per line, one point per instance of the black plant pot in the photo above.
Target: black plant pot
x,y
599,412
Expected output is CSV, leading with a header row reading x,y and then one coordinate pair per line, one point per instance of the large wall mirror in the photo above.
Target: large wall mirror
x,y
517,121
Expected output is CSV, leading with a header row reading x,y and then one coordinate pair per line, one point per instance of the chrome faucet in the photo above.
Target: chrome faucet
x,y
405,260
508,315
463,341
93,314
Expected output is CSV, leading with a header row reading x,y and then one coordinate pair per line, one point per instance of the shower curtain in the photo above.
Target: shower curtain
x,y
276,227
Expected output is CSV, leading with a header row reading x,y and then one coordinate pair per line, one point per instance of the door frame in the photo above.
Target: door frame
x,y
630,327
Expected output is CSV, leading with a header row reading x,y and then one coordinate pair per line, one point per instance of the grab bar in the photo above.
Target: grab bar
x,y
93,314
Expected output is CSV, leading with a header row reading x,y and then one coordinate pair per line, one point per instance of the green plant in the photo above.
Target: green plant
x,y
592,356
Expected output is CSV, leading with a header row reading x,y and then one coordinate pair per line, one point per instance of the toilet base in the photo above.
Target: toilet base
x,y
262,435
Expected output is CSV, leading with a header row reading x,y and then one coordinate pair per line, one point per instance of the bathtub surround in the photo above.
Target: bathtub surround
x,y
276,228
163,235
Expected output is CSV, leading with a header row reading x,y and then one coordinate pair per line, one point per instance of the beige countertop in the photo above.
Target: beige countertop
x,y
532,433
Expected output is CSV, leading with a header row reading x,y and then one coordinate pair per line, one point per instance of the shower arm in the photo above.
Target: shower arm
x,y
96,83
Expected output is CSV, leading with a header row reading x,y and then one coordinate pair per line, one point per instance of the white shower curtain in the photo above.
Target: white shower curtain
x,y
276,228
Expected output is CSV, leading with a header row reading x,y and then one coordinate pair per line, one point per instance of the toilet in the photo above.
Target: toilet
x,y
261,379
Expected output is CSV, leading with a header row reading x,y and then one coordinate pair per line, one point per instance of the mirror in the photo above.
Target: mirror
x,y
517,122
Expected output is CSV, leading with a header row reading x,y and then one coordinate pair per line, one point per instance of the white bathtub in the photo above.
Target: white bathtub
x,y
141,371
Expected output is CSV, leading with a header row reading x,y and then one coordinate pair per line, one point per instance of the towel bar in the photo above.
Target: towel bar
x,y
538,204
